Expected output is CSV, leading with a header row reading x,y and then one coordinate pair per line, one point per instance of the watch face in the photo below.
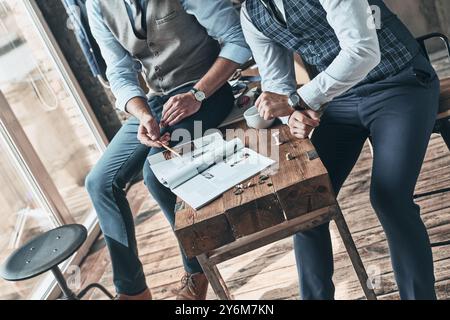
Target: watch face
x,y
294,100
200,95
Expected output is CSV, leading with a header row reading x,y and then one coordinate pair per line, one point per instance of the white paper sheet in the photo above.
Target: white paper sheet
x,y
213,167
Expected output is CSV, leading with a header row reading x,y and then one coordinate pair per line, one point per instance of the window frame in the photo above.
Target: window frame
x,y
29,163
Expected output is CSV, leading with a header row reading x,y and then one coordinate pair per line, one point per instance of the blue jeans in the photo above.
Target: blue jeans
x,y
123,159
399,114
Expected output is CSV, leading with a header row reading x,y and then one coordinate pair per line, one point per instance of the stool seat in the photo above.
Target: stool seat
x,y
444,100
43,253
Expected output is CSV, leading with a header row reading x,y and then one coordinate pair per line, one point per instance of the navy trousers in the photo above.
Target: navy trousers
x,y
398,114
123,159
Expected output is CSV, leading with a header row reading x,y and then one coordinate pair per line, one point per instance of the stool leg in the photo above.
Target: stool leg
x,y
98,286
67,293
215,278
354,255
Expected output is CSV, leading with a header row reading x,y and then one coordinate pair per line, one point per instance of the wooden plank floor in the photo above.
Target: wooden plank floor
x,y
270,272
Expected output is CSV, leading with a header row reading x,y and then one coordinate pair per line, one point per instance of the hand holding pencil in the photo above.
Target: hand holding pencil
x,y
149,133
164,143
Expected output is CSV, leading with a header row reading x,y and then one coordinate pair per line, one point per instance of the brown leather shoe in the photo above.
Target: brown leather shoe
x,y
193,287
146,295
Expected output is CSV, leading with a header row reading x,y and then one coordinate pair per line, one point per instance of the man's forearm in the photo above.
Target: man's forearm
x,y
217,76
138,107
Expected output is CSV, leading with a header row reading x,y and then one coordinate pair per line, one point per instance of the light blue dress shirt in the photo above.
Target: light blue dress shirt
x,y
218,17
352,22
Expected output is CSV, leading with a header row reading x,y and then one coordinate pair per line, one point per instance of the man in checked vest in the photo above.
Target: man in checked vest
x,y
373,81
176,44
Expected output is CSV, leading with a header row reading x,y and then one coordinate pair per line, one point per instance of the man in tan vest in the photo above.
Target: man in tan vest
x,y
188,50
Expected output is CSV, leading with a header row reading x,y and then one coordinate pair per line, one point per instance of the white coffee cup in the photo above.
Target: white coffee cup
x,y
254,120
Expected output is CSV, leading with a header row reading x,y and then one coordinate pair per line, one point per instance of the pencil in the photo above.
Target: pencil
x,y
169,149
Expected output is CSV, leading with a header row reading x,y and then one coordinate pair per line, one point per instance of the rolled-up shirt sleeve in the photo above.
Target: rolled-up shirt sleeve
x,y
221,21
360,52
275,62
122,69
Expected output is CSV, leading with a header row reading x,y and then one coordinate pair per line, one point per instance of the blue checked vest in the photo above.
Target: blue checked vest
x,y
308,33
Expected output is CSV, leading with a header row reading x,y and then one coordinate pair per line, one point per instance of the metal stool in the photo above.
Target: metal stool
x,y
44,253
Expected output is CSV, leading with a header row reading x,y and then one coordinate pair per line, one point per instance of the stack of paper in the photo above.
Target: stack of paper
x,y
208,167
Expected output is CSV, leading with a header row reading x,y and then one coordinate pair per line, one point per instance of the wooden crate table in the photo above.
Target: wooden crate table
x,y
296,197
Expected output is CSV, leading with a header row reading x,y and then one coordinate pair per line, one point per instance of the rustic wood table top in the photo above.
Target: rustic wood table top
x,y
294,187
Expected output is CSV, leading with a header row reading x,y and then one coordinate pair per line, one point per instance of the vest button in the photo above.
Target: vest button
x,y
151,44
156,53
157,69
161,79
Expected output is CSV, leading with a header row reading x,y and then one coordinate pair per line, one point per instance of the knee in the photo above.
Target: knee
x,y
381,199
391,202
96,184
90,183
150,179
159,192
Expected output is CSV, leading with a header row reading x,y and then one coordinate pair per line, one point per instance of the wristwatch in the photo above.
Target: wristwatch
x,y
199,95
295,101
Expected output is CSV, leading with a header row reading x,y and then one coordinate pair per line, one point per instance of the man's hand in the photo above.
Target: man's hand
x,y
178,108
272,105
149,132
302,123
